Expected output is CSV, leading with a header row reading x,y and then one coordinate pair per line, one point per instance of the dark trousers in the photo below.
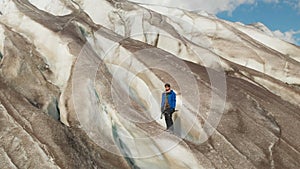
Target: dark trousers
x,y
168,118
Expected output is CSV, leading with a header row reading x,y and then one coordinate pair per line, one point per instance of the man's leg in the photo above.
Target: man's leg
x,y
169,120
171,128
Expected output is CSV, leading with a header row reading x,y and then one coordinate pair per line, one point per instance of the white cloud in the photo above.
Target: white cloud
x,y
271,1
294,4
288,36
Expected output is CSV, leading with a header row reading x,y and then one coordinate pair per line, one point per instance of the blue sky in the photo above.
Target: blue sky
x,y
280,16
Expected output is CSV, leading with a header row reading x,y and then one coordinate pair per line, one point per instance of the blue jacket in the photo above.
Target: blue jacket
x,y
171,100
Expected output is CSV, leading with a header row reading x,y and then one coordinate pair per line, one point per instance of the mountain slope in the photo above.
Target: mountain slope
x,y
81,83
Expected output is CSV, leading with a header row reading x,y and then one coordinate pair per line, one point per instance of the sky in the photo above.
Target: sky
x,y
282,17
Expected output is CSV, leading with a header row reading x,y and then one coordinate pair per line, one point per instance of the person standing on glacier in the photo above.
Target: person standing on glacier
x,y
168,103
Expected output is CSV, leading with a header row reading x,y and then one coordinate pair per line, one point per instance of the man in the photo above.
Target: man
x,y
168,103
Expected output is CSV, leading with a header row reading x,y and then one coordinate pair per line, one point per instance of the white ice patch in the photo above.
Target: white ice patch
x,y
285,93
50,45
103,46
2,38
277,44
186,157
145,95
99,11
55,7
261,27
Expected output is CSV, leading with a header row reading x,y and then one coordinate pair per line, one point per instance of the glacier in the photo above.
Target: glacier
x,y
81,83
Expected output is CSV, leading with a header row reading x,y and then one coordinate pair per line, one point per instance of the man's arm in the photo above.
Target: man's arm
x,y
162,102
174,101
162,109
